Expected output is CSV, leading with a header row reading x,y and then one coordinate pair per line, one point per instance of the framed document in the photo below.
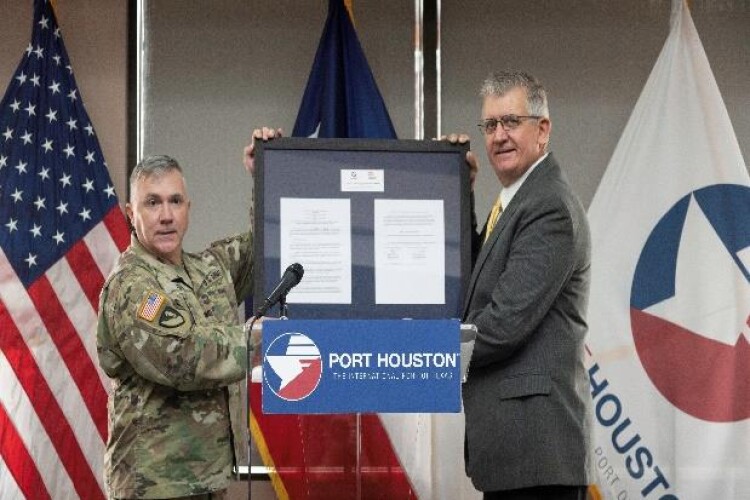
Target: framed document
x,y
381,227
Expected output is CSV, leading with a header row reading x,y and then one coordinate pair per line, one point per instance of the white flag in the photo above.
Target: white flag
x,y
430,448
670,296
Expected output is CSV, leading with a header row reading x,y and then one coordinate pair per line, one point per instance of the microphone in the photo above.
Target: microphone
x,y
289,280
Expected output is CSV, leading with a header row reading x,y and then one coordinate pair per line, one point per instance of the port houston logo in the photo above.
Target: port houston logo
x,y
295,365
690,301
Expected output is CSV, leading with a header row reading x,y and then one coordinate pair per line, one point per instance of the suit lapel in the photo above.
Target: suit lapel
x,y
544,170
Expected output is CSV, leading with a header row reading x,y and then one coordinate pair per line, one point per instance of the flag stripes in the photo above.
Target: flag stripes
x,y
68,310
24,472
35,398
69,346
88,273
107,241
53,308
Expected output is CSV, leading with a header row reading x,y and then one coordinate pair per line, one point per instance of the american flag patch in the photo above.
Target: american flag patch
x,y
151,306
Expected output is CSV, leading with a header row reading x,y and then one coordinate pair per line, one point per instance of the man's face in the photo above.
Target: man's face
x,y
512,152
158,210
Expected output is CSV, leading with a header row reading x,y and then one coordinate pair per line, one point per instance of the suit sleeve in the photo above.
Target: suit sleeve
x,y
541,258
142,329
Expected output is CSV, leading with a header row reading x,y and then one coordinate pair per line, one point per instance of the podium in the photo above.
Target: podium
x,y
383,231
361,367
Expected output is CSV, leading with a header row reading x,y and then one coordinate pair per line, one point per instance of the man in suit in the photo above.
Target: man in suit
x,y
527,400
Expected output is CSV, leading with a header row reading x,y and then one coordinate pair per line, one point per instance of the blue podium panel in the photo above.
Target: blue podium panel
x,y
348,366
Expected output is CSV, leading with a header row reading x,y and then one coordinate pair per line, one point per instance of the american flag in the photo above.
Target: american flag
x,y
61,231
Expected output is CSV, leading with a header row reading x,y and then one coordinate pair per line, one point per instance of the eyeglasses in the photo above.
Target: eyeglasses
x,y
509,122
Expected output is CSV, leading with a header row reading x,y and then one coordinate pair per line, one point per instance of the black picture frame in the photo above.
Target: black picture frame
x,y
413,169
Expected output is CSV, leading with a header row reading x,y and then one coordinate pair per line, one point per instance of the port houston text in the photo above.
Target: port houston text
x,y
393,360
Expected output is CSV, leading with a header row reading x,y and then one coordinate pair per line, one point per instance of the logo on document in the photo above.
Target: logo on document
x,y
690,304
295,366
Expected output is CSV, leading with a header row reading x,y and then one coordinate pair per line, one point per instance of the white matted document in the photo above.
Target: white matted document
x,y
409,240
317,234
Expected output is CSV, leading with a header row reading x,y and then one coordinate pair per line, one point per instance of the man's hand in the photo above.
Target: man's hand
x,y
263,134
471,160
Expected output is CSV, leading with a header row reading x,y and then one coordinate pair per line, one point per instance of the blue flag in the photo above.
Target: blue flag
x,y
341,98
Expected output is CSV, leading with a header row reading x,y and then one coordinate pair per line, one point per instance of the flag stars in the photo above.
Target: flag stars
x,y
62,208
55,87
89,129
29,49
40,203
3,161
88,185
57,32
21,78
85,214
51,115
47,145
12,225
65,180
15,105
21,167
36,231
44,23
69,68
17,195
57,59
39,52
30,109
35,80
90,157
30,260
59,237
72,94
72,124
27,137
8,134
69,151
110,190
44,173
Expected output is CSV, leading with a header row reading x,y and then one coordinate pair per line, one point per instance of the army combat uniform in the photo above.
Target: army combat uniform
x,y
169,338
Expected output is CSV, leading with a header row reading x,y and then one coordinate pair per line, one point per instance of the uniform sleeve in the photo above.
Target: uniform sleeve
x,y
236,253
143,329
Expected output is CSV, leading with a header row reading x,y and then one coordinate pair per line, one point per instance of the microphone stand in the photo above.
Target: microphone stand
x,y
283,312
248,355
283,309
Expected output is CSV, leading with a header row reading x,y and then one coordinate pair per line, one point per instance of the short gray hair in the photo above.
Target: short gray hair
x,y
157,165
499,83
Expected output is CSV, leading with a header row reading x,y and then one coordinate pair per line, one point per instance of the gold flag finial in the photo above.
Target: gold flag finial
x,y
348,5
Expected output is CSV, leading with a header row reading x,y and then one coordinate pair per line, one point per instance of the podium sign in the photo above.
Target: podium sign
x,y
351,366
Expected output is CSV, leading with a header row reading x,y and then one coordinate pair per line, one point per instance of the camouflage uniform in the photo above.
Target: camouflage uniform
x,y
169,338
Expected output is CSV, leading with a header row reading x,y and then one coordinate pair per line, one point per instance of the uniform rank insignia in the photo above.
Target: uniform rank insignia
x,y
151,306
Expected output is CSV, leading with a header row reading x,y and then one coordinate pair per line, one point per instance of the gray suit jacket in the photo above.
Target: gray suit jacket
x,y
527,399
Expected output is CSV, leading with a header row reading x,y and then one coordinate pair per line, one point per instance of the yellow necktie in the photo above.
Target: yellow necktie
x,y
497,208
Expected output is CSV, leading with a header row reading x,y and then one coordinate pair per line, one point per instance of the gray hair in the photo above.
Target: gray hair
x,y
499,83
157,165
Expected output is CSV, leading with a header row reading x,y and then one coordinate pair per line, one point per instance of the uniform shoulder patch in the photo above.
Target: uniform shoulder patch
x,y
151,306
171,318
